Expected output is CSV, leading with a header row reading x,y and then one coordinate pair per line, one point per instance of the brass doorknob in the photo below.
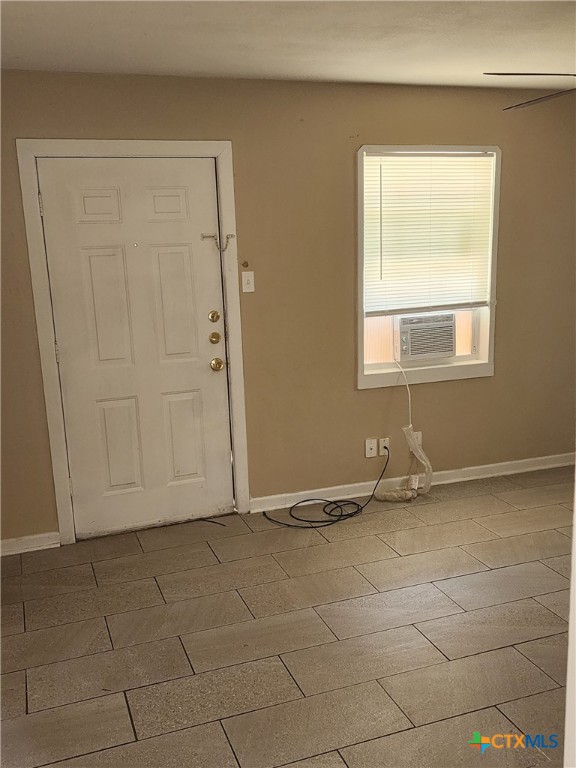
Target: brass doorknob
x,y
214,316
216,364
214,338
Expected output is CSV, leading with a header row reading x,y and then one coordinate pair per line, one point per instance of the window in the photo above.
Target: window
x,y
427,236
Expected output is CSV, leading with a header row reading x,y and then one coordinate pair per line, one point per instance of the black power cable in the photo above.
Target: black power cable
x,y
336,511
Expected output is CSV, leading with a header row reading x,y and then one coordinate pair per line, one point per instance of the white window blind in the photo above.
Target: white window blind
x,y
428,221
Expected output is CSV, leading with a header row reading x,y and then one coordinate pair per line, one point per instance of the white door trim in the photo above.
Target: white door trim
x,y
29,150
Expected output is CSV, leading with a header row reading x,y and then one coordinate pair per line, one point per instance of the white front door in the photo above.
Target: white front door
x,y
136,295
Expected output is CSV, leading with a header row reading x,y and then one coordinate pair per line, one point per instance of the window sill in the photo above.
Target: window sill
x,y
392,377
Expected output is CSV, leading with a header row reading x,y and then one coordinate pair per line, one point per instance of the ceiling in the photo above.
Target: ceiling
x,y
422,43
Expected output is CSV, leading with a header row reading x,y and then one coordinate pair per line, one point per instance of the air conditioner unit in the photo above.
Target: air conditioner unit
x,y
423,337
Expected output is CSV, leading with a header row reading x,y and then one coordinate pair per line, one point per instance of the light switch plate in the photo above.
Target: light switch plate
x,y
248,282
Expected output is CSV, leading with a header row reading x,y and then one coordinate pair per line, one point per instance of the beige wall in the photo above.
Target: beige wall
x,y
294,150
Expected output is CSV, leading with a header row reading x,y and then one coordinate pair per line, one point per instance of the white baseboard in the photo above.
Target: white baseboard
x,y
351,491
282,500
30,543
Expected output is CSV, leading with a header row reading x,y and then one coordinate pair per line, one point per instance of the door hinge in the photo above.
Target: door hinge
x,y
57,351
41,204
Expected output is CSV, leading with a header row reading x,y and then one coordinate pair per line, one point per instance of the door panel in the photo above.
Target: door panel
x,y
132,282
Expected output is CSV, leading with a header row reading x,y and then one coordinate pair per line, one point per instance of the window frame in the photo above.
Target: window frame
x,y
433,370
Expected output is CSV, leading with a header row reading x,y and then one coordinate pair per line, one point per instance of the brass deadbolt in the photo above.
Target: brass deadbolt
x,y
214,316
214,337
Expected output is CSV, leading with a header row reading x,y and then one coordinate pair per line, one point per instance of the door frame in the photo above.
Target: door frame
x,y
29,151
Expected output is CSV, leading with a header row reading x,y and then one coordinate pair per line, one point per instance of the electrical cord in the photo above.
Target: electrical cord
x,y
408,390
336,511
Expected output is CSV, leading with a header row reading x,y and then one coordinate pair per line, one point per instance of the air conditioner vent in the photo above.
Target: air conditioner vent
x,y
421,337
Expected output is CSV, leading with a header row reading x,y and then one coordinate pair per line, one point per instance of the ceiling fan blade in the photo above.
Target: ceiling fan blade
x,y
532,74
541,98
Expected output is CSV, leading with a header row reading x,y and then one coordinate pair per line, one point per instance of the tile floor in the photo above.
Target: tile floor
x,y
385,640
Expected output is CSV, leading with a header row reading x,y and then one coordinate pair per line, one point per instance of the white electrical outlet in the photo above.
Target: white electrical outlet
x,y
371,447
383,444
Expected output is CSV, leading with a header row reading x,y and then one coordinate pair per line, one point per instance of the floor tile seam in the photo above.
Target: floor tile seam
x,y
555,557
377,533
132,724
57,594
478,607
162,595
504,536
526,597
494,605
47,570
366,577
180,634
211,548
500,647
393,700
270,655
220,592
519,562
497,705
70,658
74,703
376,679
437,549
500,567
275,552
95,587
341,756
229,743
245,603
532,660
120,691
473,516
529,696
221,719
296,683
90,560
554,569
194,672
131,579
273,555
430,641
318,754
491,570
334,635
90,655
93,618
551,609
385,629
462,658
85,754
172,546
26,706
428,551
454,717
315,605
378,592
381,535
535,506
335,567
